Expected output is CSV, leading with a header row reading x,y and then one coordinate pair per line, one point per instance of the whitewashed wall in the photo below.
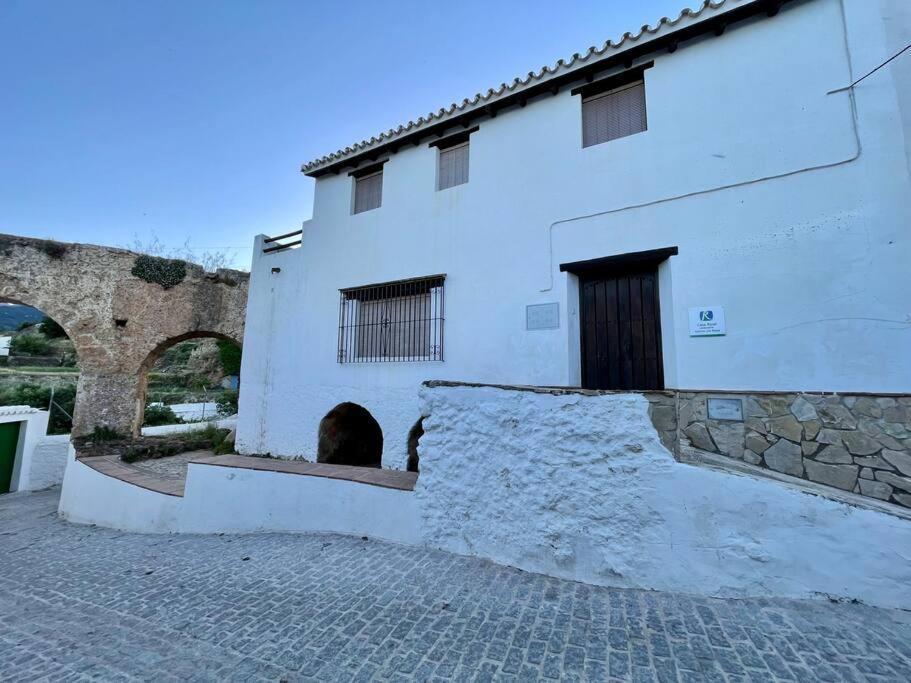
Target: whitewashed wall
x,y
580,487
786,211
31,470
568,485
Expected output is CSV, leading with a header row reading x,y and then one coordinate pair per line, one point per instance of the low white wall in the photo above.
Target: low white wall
x,y
580,487
32,428
162,430
48,462
90,497
227,499
571,485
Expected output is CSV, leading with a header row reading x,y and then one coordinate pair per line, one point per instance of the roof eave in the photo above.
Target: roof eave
x,y
643,46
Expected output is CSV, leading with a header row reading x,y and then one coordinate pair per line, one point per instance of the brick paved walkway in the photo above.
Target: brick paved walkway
x,y
79,602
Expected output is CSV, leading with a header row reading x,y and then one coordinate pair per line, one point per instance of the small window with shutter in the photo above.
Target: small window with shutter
x,y
614,114
368,191
452,169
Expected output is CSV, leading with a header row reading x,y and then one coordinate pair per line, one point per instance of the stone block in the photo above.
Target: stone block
x,y
837,416
890,442
866,473
831,436
897,414
756,443
840,476
754,408
787,427
811,429
875,489
835,455
728,438
808,447
785,457
902,499
859,444
751,457
663,418
899,460
902,483
896,430
699,437
874,461
756,424
867,406
803,410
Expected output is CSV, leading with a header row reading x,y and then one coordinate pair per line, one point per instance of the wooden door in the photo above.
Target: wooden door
x,y
621,330
9,442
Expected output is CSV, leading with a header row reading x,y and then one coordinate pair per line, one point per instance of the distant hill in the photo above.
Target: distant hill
x,y
13,315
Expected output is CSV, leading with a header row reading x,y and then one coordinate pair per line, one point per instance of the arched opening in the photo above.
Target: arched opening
x,y
414,436
38,364
190,378
349,435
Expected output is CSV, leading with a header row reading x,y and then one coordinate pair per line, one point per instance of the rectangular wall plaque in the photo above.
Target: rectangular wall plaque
x,y
726,409
542,316
707,321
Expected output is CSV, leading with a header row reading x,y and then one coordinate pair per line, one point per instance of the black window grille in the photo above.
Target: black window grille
x,y
398,321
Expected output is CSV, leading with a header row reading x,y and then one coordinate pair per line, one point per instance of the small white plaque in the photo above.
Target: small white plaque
x,y
542,316
726,409
707,321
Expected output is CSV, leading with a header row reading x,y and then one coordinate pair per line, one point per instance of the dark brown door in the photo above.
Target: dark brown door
x,y
621,330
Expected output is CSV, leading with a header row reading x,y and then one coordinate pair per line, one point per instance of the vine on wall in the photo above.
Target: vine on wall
x,y
162,271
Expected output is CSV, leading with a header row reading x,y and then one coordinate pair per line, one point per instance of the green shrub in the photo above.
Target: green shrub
x,y
51,329
227,403
38,396
156,416
29,345
163,271
229,354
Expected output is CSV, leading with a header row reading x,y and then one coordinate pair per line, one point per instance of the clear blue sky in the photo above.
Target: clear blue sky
x,y
190,119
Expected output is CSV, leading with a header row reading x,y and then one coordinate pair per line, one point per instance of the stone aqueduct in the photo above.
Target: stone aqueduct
x,y
119,322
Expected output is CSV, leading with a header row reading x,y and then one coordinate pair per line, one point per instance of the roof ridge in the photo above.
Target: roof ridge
x,y
517,83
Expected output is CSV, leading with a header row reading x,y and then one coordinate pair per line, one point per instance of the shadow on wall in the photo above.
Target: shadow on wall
x,y
349,435
414,436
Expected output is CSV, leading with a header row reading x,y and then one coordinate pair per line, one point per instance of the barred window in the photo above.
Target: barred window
x,y
453,166
392,322
368,192
614,114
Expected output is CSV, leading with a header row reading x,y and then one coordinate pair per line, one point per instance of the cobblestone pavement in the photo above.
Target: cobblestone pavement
x,y
80,602
173,466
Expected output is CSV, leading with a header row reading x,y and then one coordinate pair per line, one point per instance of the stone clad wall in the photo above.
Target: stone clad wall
x,y
576,484
854,443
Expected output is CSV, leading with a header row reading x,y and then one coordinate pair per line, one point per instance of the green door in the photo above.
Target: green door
x,y
9,440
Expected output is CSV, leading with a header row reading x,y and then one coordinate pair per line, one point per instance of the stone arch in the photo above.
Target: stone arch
x,y
350,435
414,436
116,315
153,356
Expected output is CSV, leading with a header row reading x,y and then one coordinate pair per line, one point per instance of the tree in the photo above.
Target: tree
x,y
51,329
229,354
29,345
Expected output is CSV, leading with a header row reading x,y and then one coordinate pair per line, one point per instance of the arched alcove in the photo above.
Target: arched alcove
x,y
349,435
414,437
209,392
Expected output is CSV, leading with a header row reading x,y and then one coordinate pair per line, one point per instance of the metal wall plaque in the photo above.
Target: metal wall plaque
x,y
707,321
726,409
542,316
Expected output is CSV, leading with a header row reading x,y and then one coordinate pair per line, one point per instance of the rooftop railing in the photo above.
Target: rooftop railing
x,y
278,245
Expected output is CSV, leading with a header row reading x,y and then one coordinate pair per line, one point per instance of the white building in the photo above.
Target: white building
x,y
717,166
